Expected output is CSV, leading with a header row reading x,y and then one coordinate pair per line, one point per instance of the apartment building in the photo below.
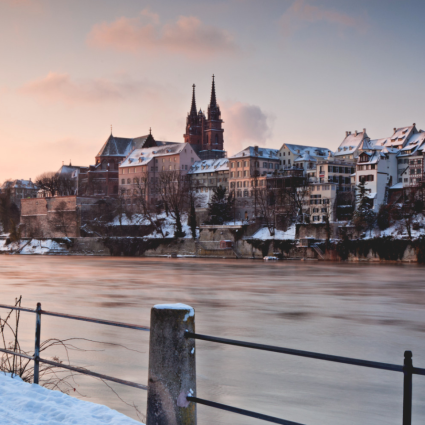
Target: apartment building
x,y
140,171
209,174
248,169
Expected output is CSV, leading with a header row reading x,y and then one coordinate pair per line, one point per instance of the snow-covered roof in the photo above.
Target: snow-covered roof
x,y
351,142
18,184
313,152
69,169
144,155
257,152
397,186
210,166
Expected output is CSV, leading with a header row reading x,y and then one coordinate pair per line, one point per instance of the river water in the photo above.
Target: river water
x,y
368,311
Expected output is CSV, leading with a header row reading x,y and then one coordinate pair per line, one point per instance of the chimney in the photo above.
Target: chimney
x,y
395,129
347,133
364,131
414,124
355,133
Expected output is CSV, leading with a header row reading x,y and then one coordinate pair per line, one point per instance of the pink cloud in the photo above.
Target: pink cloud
x,y
56,87
188,35
302,12
245,125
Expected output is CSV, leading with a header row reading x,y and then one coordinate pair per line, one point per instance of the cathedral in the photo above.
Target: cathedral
x,y
205,134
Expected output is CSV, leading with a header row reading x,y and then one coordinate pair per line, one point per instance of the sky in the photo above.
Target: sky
x,y
286,71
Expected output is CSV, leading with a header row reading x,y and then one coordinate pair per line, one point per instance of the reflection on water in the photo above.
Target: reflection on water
x,y
374,312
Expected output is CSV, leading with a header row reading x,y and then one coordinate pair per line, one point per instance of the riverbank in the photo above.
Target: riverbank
x,y
371,250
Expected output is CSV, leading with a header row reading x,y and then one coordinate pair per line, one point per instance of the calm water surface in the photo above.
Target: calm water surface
x,y
374,312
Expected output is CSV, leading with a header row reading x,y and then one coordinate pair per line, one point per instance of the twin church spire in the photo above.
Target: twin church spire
x,y
205,133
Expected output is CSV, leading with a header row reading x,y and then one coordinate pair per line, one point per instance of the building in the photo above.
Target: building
x,y
350,146
19,189
209,174
249,169
101,179
302,157
377,168
140,171
205,133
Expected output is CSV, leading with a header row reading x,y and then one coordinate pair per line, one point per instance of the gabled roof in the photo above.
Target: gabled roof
x,y
313,151
209,166
256,152
121,146
143,156
19,184
351,142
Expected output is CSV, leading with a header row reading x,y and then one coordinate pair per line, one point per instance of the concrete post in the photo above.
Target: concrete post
x,y
172,366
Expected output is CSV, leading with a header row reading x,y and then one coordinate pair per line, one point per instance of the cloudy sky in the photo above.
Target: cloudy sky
x,y
295,71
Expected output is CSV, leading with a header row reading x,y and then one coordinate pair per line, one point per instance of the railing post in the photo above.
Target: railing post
x,y
37,344
407,388
172,366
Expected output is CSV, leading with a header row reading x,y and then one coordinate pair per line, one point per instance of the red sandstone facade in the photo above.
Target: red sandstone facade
x,y
205,134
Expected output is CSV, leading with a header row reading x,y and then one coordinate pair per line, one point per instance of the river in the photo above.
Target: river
x,y
368,311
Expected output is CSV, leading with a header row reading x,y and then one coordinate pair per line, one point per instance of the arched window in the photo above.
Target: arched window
x,y
104,164
135,180
128,181
216,139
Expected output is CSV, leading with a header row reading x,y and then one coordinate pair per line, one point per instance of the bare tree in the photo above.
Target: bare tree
x,y
9,211
48,182
172,188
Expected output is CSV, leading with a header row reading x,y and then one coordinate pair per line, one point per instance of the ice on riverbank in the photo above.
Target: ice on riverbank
x,y
30,404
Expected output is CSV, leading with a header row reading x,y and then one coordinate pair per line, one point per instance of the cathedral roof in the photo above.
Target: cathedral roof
x,y
121,146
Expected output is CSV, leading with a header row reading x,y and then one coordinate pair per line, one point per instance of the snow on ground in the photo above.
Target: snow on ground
x,y
264,234
168,225
30,404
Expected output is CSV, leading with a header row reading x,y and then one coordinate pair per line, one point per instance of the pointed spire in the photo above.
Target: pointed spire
x,y
213,102
193,107
111,129
150,130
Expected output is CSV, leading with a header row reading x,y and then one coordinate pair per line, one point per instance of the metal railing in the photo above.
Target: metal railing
x,y
37,359
407,369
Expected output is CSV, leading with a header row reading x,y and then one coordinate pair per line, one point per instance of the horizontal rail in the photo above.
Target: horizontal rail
x,y
418,371
100,321
82,318
14,353
96,375
241,411
301,353
12,307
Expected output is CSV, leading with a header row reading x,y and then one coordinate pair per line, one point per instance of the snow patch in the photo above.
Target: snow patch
x,y
177,306
31,404
264,234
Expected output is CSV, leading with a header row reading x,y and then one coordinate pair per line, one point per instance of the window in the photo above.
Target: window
x,y
289,162
128,181
316,218
238,164
264,164
245,173
315,210
232,165
239,173
244,184
122,181
232,174
406,180
239,193
276,166
283,162
323,210
245,193
135,180
245,164
271,166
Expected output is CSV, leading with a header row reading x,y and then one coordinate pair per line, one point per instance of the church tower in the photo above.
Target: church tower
x,y
213,135
194,126
205,134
